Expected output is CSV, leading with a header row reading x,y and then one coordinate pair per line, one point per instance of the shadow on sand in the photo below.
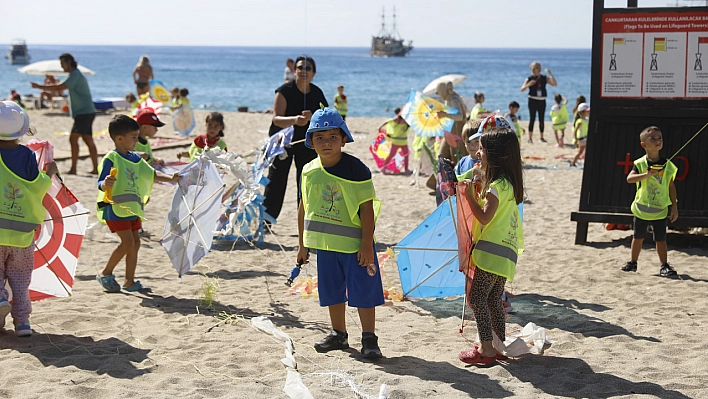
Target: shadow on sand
x,y
107,356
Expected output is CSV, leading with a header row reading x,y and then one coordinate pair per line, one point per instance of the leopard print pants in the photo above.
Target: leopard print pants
x,y
486,302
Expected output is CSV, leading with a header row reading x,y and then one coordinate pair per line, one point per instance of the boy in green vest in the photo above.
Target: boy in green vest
x,y
125,181
654,177
336,216
149,123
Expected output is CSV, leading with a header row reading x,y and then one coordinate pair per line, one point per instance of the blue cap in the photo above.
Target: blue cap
x,y
326,119
488,123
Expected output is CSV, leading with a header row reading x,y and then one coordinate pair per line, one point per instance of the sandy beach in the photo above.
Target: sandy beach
x,y
614,334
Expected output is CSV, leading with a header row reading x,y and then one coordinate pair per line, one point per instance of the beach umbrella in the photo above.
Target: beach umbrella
x,y
191,220
421,113
51,67
432,86
58,239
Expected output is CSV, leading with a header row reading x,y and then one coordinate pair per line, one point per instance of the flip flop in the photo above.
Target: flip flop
x,y
474,357
137,287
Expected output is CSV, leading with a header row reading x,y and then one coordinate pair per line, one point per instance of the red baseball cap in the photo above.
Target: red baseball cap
x,y
147,116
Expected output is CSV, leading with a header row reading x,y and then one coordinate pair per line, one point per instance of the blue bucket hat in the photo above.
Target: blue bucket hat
x,y
326,119
488,123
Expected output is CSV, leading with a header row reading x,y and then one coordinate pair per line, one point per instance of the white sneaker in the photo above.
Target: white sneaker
x,y
5,309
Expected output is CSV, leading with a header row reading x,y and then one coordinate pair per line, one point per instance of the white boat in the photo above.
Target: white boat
x,y
17,54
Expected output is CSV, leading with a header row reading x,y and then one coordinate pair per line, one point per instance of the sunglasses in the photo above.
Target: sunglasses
x,y
306,68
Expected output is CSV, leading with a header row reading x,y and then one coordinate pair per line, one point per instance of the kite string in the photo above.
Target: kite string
x,y
689,140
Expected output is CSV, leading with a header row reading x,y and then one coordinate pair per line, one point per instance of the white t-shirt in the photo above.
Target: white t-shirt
x,y
289,75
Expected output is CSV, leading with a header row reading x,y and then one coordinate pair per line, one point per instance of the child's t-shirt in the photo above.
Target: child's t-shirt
x,y
22,161
108,213
464,165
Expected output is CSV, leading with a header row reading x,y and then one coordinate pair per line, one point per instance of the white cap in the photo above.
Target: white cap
x,y
14,121
583,107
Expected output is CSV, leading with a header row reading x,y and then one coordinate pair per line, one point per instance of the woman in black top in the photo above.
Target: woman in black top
x,y
294,103
536,83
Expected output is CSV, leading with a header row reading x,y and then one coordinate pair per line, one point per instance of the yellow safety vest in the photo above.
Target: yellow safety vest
x,y
583,129
341,105
559,118
652,199
22,210
131,189
195,151
501,241
146,148
476,110
397,132
332,209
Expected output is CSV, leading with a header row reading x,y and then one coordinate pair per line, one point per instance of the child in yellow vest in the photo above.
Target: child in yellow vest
x,y
336,216
341,103
21,212
397,132
501,239
580,131
212,138
654,177
125,181
149,123
513,119
559,118
478,110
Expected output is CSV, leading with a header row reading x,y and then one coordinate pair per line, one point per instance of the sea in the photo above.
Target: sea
x,y
226,78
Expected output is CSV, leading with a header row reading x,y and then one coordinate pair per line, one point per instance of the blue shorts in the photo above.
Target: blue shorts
x,y
339,274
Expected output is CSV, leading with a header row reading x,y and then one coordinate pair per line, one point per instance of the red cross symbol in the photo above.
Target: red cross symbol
x,y
627,163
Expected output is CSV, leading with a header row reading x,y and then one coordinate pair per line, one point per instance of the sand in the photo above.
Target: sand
x,y
615,334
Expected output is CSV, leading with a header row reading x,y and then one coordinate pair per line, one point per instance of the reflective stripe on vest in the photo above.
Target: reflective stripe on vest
x,y
649,209
16,225
496,249
123,198
335,230
397,132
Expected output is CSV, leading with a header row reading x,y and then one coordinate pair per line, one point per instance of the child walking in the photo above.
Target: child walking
x,y
212,138
655,199
336,216
559,118
580,130
501,240
22,212
124,183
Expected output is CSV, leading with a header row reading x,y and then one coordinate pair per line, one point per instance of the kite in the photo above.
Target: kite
x,y
159,92
380,148
421,113
57,240
191,220
183,120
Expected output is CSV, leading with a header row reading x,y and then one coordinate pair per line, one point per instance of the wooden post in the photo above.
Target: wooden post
x,y
632,4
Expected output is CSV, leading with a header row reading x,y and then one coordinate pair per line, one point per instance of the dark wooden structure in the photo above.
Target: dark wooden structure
x,y
613,142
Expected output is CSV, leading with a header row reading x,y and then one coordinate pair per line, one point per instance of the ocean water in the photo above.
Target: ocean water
x,y
226,78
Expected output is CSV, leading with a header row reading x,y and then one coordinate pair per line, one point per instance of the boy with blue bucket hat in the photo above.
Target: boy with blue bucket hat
x,y
336,217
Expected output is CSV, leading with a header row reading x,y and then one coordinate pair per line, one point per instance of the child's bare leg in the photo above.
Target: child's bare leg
x,y
126,244
555,132
562,140
337,315
581,150
661,250
131,260
637,248
368,319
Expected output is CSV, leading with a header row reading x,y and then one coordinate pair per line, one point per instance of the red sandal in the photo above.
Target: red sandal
x,y
476,358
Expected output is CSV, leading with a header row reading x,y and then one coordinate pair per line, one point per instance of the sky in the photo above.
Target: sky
x,y
308,23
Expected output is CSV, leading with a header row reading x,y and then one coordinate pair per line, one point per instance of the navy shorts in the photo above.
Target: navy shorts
x,y
83,124
340,278
658,226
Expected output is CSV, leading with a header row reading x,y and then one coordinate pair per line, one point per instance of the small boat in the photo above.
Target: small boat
x,y
17,54
389,44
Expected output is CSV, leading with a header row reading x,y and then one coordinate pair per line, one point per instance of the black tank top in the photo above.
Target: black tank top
x,y
539,89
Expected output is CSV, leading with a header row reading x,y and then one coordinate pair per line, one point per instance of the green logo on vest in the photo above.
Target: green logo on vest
x,y
131,176
13,193
513,226
332,193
